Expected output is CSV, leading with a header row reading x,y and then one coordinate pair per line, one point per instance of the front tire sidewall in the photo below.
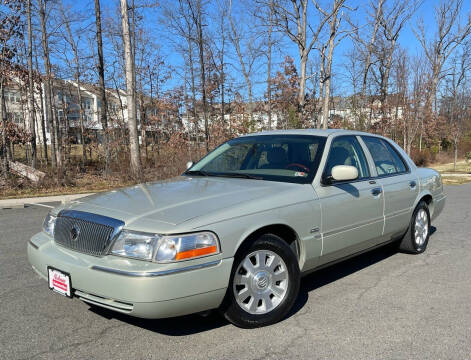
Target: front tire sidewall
x,y
238,316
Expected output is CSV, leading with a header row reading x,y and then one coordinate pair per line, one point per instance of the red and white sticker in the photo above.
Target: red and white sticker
x,y
59,282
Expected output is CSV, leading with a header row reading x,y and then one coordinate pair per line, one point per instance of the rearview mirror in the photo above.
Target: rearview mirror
x,y
344,172
189,164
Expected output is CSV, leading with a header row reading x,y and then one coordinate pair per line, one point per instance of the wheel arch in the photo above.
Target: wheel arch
x,y
428,198
285,232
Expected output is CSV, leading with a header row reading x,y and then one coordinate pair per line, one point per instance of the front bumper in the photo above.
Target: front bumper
x,y
138,288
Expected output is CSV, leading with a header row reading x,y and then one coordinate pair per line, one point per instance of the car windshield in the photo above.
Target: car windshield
x,y
288,158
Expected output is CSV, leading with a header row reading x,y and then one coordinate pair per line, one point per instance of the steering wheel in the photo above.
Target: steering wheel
x,y
297,165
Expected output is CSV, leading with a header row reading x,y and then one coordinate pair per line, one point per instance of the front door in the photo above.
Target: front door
x,y
352,212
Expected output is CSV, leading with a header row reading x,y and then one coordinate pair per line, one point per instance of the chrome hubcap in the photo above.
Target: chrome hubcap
x,y
260,282
421,227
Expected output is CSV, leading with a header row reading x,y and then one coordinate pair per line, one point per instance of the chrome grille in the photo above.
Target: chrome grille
x,y
85,232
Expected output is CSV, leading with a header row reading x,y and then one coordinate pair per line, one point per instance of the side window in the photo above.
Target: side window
x,y
386,160
398,162
346,150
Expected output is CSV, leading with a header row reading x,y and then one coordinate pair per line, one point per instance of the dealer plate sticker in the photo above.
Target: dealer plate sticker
x,y
59,282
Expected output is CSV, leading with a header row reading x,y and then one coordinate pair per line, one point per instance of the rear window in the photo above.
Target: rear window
x,y
387,160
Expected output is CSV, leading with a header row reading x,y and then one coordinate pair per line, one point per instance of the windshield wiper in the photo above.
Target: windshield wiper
x,y
233,175
238,175
198,173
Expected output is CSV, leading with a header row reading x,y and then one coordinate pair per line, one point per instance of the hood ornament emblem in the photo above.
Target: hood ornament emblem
x,y
74,233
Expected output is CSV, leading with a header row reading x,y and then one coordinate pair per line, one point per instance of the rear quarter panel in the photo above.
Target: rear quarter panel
x,y
431,184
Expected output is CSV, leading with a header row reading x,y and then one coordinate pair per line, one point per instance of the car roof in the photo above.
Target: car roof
x,y
313,132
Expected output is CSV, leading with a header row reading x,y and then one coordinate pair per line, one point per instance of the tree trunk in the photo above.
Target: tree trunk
x,y
193,94
330,53
101,75
199,27
136,167
245,72
55,157
4,149
322,78
31,88
269,55
41,109
455,148
81,124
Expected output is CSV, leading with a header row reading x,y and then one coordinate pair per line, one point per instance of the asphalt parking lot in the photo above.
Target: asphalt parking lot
x,y
380,305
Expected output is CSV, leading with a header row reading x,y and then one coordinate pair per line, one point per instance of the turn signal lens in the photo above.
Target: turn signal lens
x,y
188,246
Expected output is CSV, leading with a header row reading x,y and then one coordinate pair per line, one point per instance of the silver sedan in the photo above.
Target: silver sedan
x,y
240,227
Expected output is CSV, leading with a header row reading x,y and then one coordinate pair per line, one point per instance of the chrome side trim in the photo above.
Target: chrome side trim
x,y
156,273
354,226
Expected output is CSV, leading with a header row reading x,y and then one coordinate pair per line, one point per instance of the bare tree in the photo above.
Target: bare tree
x,y
101,76
56,157
271,14
196,14
180,22
292,18
392,20
456,103
449,35
31,106
334,23
9,32
247,51
136,167
73,42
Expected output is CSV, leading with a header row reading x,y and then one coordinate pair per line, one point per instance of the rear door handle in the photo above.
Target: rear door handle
x,y
376,191
412,184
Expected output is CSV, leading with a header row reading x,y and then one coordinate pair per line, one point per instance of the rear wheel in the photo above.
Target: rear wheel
x,y
416,239
264,283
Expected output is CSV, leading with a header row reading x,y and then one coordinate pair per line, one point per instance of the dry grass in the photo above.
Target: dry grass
x,y
454,180
84,183
461,167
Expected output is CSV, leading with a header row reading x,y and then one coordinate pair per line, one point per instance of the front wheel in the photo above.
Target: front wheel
x,y
264,283
416,239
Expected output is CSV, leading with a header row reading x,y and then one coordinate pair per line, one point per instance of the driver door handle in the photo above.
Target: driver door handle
x,y
376,191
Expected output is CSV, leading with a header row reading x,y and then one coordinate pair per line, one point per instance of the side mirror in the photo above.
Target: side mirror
x,y
189,164
344,173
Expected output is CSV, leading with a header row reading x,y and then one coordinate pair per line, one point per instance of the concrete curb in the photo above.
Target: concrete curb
x,y
20,203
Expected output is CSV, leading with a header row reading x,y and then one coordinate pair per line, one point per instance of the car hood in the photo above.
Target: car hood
x,y
177,200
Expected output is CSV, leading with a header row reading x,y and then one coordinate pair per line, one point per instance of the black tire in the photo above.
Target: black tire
x,y
233,312
408,243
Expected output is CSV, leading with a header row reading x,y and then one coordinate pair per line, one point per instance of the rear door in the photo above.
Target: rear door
x,y
352,211
399,185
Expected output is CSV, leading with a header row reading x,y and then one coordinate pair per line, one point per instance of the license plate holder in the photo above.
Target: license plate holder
x,y
59,281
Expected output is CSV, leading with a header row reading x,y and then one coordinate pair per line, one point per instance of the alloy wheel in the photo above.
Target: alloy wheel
x,y
260,282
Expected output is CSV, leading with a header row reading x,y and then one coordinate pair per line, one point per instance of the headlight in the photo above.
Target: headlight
x,y
188,246
147,246
48,224
135,244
